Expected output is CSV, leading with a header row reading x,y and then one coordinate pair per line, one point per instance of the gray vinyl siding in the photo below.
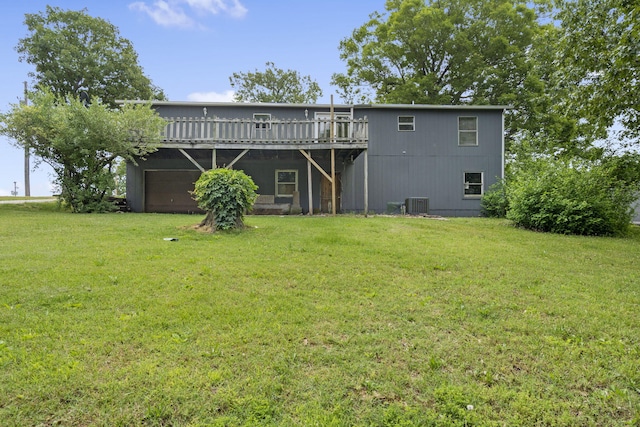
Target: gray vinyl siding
x,y
135,186
161,160
262,172
425,163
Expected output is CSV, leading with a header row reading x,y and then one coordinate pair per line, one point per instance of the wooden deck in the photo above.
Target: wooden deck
x,y
279,134
339,135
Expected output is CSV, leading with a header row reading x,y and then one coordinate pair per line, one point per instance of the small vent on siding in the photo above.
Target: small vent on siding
x,y
417,205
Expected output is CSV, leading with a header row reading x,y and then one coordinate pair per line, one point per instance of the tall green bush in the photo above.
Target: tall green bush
x,y
226,195
494,203
567,197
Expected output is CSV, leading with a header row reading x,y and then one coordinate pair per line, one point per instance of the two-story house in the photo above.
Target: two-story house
x,y
321,158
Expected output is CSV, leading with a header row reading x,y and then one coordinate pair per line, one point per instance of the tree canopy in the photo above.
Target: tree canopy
x,y
81,143
274,85
445,52
599,63
73,52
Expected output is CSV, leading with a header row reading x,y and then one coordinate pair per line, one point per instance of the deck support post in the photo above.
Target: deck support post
x,y
365,160
333,159
333,181
309,187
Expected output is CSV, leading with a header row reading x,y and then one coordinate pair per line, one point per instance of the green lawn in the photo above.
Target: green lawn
x,y
313,321
21,198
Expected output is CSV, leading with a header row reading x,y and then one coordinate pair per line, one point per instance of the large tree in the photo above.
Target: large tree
x,y
274,85
599,57
82,142
446,52
73,53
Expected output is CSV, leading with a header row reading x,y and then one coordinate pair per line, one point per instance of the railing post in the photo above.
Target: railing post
x,y
167,129
276,134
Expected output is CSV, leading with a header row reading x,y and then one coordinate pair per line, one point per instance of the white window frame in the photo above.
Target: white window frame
x,y
467,185
266,121
468,131
409,125
277,192
337,116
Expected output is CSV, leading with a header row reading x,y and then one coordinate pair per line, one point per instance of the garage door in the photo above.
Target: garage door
x,y
168,191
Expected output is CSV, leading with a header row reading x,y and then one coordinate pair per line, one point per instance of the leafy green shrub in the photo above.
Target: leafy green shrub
x,y
225,194
494,203
81,142
568,198
624,168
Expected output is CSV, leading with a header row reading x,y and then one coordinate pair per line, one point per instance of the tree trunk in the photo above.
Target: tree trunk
x,y
209,221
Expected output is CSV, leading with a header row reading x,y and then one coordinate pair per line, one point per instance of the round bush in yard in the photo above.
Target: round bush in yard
x,y
226,195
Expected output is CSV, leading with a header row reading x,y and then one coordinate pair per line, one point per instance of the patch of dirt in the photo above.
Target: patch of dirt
x,y
199,228
441,218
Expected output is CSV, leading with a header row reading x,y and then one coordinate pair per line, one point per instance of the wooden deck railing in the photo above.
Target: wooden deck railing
x,y
204,130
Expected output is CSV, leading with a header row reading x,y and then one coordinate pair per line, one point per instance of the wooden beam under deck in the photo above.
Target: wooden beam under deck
x,y
209,145
238,157
317,166
191,159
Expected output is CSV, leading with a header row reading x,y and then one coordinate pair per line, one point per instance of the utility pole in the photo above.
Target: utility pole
x,y
27,185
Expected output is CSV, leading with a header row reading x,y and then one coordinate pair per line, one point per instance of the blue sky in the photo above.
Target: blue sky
x,y
189,48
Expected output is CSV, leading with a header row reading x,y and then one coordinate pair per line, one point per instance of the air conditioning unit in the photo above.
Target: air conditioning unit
x,y
417,205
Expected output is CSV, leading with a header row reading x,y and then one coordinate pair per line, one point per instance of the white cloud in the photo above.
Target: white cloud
x,y
232,7
226,96
171,13
165,14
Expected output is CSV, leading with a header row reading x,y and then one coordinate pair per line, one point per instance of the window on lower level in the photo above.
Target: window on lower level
x,y
473,184
467,131
286,182
406,123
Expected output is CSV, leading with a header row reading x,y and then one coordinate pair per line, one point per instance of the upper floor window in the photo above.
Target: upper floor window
x,y
341,126
473,184
286,182
406,123
467,131
263,120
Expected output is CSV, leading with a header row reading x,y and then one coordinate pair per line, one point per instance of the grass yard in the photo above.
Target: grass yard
x,y
23,198
303,321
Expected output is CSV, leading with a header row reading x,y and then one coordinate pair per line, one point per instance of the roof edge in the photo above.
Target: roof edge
x,y
228,104
433,106
355,106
